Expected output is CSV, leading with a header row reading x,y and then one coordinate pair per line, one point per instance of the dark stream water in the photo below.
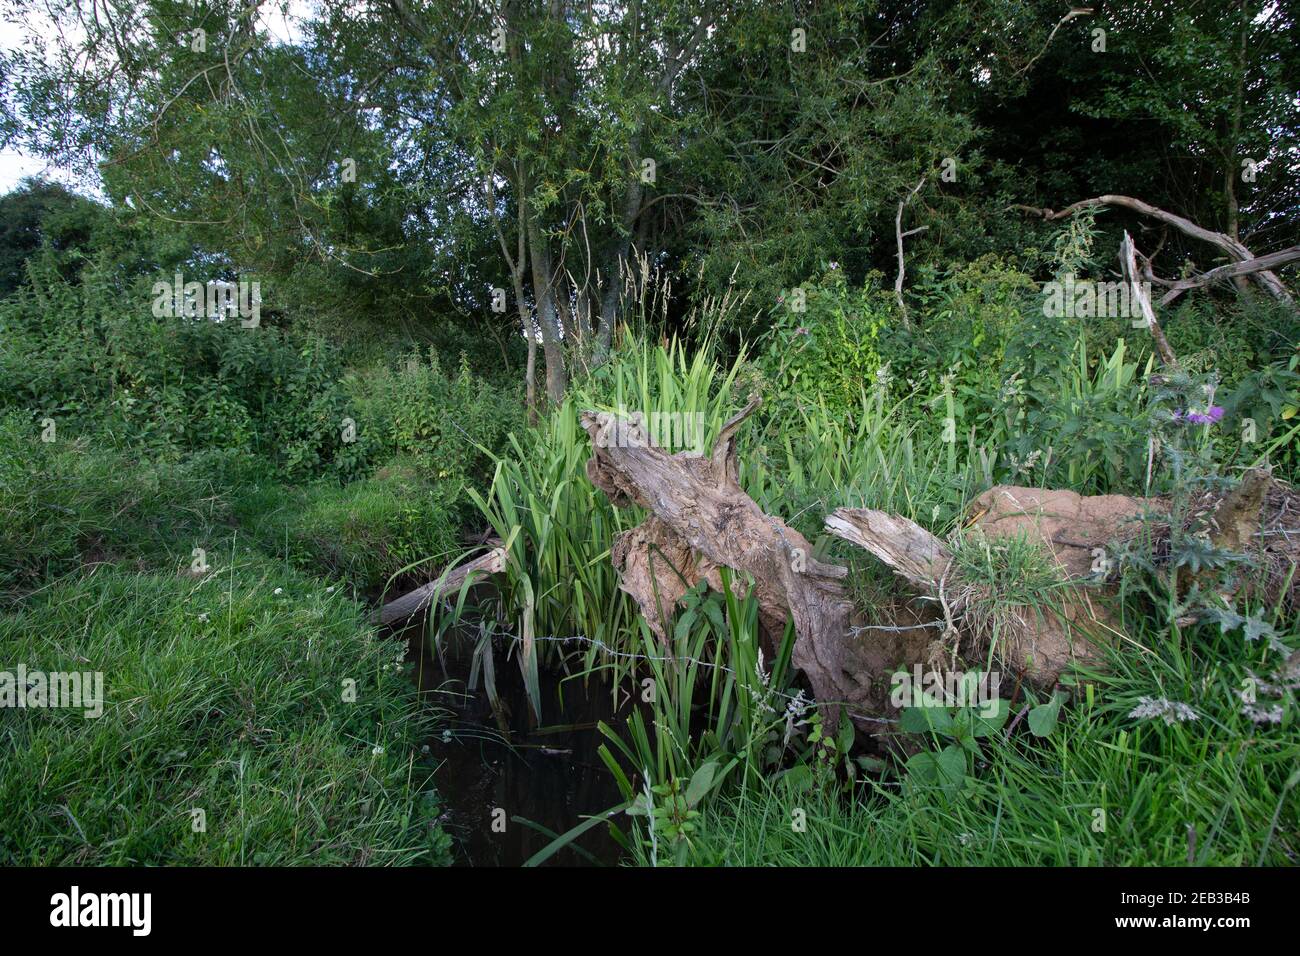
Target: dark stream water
x,y
548,773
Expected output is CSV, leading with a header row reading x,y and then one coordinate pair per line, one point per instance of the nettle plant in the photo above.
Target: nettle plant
x,y
1177,545
823,341
824,756
957,723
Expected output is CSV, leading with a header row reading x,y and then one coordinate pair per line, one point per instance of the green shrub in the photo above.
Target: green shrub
x,y
447,425
89,352
822,344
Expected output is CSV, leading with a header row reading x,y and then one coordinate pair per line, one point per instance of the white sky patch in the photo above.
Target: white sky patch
x,y
14,167
284,21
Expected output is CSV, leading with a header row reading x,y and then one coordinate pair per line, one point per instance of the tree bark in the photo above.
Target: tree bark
x,y
557,375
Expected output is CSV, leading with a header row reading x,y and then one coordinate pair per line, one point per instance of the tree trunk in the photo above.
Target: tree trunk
x,y
557,375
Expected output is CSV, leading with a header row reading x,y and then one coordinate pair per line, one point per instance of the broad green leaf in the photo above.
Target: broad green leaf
x,y
701,783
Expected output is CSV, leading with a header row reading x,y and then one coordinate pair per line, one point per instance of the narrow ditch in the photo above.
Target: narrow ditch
x,y
494,770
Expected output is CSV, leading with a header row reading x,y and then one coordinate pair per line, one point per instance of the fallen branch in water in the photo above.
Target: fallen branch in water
x,y
449,582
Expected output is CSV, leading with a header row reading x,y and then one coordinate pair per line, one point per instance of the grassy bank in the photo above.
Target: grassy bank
x,y
251,715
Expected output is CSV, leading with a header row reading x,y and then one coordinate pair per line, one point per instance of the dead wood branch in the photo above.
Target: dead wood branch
x,y
907,548
449,582
1138,293
702,521
1074,12
900,236
1233,270
1234,249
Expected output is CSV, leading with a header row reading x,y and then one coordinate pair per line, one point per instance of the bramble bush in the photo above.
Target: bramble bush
x,y
448,426
88,351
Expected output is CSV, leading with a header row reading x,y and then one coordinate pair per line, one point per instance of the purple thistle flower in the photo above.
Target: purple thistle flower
x,y
1208,417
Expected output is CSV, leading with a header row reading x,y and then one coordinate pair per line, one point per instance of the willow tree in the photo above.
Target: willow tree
x,y
564,115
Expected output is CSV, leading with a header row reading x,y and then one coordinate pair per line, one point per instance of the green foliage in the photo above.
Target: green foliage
x,y
71,502
822,344
89,354
367,532
670,809
1103,787
38,213
448,426
949,767
714,706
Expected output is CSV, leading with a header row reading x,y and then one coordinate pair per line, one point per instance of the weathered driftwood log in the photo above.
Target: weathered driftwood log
x,y
700,521
449,582
1039,642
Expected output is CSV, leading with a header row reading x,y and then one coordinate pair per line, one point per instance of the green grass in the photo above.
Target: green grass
x,y
224,694
366,532
1103,788
1007,583
73,501
224,691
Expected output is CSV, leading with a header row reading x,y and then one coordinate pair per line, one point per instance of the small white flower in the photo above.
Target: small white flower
x,y
278,591
377,750
330,589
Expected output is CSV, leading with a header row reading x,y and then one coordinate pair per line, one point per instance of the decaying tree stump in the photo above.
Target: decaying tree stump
x,y
700,521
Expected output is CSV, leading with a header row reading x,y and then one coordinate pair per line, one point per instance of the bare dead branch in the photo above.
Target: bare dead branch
x,y
1075,12
900,235
1138,294
1232,247
449,582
